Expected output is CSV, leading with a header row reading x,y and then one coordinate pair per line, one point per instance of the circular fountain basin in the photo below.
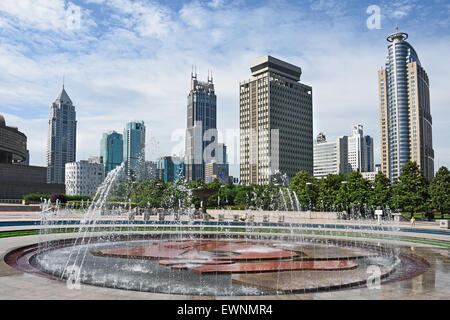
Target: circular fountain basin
x,y
215,265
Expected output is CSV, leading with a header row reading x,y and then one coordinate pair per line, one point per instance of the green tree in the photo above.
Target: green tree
x,y
306,188
354,192
410,191
380,196
149,193
242,196
328,188
440,190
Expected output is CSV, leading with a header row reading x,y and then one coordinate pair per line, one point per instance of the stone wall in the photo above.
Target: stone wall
x,y
17,180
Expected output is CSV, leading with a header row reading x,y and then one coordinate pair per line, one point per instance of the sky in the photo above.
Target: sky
x,y
125,60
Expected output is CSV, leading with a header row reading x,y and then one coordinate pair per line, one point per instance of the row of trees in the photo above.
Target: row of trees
x,y
411,193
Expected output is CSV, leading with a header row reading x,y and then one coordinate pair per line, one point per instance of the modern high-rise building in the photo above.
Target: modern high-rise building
x,y
405,119
111,150
134,149
201,133
343,155
330,157
83,177
219,167
61,143
151,170
276,122
170,169
360,150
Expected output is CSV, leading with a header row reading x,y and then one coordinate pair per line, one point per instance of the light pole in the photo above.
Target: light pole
x,y
346,205
309,196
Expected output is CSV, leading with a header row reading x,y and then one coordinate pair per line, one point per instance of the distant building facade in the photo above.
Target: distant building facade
x,y
330,157
171,169
84,177
219,167
360,151
276,122
61,143
13,144
111,150
151,170
343,155
134,149
17,178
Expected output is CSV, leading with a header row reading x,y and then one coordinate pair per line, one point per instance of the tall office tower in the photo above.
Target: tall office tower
x,y
61,143
134,149
201,133
360,150
405,119
330,157
276,126
111,150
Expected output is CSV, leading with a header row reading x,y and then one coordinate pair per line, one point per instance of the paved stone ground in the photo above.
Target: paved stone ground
x,y
433,284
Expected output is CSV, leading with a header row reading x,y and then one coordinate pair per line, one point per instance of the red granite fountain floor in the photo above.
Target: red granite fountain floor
x,y
271,266
225,257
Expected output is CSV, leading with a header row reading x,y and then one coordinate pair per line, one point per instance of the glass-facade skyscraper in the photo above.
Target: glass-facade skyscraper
x,y
170,169
61,143
111,150
134,149
201,133
405,119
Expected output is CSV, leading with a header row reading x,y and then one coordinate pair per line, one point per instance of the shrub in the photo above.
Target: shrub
x,y
35,196
58,196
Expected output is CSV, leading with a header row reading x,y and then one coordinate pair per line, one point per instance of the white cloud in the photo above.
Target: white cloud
x,y
146,18
138,67
43,14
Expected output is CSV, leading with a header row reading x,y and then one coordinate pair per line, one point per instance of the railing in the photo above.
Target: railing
x,y
14,201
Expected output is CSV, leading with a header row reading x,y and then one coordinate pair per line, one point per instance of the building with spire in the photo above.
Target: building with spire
x,y
201,132
61,143
405,118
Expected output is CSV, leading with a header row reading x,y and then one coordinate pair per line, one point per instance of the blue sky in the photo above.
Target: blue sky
x,y
129,60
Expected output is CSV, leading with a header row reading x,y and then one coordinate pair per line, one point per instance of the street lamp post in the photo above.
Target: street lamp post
x,y
308,192
346,202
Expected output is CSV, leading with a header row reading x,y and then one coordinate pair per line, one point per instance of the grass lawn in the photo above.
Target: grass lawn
x,y
421,215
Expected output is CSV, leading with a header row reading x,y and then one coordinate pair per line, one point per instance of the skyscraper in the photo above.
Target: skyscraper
x,y
276,122
219,167
360,151
61,143
111,150
405,119
170,169
134,149
201,133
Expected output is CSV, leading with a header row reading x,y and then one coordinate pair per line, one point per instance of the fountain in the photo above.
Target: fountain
x,y
203,194
179,254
